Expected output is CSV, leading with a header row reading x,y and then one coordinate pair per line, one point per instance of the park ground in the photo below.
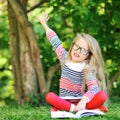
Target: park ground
x,y
29,112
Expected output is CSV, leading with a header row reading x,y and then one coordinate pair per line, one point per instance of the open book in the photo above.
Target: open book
x,y
79,114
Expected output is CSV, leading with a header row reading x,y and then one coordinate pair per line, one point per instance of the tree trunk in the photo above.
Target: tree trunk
x,y
14,49
27,67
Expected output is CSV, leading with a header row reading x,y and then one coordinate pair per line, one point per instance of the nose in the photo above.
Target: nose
x,y
78,51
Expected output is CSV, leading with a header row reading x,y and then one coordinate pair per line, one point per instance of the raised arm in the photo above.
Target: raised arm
x,y
52,37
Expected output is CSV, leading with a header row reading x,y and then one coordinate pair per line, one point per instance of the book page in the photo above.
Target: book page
x,y
83,113
62,114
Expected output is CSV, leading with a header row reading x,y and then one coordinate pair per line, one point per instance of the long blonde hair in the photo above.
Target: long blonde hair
x,y
95,59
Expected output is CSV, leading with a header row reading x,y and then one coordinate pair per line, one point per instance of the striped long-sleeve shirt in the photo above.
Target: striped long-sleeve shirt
x,y
72,73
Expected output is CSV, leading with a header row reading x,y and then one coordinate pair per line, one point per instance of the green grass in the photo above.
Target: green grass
x,y
27,112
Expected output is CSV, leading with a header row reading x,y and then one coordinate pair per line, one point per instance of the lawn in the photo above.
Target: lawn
x,y
28,112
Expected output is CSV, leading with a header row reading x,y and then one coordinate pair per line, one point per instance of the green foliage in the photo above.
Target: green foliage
x,y
6,82
6,77
115,88
99,18
55,82
3,31
37,100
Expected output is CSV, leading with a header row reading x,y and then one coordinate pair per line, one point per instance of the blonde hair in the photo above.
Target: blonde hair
x,y
95,59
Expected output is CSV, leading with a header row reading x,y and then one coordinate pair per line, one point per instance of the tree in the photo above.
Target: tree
x,y
26,63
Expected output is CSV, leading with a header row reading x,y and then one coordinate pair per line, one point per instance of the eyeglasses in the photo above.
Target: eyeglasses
x,y
82,50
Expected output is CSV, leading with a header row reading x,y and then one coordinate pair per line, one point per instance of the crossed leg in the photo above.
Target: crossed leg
x,y
61,104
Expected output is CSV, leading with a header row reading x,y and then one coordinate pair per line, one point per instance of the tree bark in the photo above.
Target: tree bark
x,y
14,49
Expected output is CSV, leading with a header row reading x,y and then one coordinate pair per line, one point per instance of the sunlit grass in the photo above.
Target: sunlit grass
x,y
28,112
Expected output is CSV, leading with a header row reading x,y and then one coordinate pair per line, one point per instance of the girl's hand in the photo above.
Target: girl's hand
x,y
81,105
43,20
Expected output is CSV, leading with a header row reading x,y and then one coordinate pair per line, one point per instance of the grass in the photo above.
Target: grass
x,y
28,112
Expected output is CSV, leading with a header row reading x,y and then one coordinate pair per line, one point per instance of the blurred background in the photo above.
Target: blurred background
x,y
28,65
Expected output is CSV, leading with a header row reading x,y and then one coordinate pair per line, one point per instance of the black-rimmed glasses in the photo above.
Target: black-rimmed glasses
x,y
82,50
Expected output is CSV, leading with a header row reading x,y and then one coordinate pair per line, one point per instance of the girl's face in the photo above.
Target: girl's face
x,y
79,51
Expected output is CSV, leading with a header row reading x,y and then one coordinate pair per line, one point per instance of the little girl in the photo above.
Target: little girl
x,y
82,73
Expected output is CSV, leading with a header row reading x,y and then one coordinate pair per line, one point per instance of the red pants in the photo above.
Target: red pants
x,y
61,104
